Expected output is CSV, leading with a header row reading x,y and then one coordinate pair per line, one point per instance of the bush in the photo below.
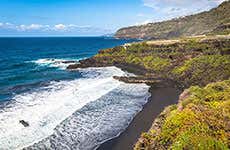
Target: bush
x,y
156,63
204,69
133,59
138,47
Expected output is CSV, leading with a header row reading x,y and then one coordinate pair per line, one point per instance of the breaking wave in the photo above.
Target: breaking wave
x,y
76,114
56,63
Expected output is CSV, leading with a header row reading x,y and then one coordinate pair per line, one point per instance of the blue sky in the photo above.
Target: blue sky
x,y
89,17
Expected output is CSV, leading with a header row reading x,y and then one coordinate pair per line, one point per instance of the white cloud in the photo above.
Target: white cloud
x,y
143,22
176,8
30,27
35,26
65,29
179,3
69,27
60,27
7,25
40,27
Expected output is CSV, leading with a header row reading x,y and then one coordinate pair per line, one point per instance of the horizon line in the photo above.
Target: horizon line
x,y
22,36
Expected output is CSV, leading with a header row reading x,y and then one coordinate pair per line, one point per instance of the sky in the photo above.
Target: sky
x,y
89,17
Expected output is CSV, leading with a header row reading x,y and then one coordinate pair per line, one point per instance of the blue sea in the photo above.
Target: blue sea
x,y
64,109
27,63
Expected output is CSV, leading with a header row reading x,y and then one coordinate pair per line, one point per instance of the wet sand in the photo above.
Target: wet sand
x,y
161,97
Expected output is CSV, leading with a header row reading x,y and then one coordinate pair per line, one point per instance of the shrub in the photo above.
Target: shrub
x,y
133,59
204,69
156,63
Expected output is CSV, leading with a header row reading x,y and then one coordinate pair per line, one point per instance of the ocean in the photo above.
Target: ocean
x,y
64,109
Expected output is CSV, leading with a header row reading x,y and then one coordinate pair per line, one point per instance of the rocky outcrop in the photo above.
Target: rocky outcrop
x,y
198,24
24,123
100,62
90,62
145,80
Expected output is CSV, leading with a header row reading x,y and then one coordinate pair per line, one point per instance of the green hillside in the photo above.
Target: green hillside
x,y
202,23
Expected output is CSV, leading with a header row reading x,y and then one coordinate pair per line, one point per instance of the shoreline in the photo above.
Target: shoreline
x,y
184,64
163,93
160,98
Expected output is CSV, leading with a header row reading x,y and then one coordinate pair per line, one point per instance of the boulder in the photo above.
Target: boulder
x,y
24,123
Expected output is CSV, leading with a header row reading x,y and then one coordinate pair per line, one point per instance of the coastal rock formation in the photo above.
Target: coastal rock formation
x,y
151,81
138,80
90,62
202,23
24,123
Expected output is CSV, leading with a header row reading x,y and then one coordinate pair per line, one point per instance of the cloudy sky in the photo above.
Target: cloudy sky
x,y
89,17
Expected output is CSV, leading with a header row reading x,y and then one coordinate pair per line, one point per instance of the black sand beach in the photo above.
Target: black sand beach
x,y
161,97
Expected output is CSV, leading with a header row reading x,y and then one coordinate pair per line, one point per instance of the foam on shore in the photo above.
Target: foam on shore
x,y
98,121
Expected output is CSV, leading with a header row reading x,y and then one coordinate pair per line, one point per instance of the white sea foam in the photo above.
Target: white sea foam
x,y
98,121
57,63
46,108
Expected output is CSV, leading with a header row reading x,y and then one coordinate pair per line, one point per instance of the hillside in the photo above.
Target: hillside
x,y
198,65
202,23
199,121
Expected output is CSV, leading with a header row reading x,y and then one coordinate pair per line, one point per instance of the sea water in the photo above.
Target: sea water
x,y
64,109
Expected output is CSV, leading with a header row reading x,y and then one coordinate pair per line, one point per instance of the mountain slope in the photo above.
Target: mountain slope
x,y
201,23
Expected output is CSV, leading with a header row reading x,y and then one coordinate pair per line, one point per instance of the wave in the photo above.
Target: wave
x,y
98,121
47,107
56,63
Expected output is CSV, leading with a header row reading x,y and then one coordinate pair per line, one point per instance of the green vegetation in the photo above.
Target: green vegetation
x,y
138,47
204,69
149,62
200,121
223,29
157,63
188,61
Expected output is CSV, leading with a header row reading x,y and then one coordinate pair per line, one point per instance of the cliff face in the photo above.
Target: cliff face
x,y
198,24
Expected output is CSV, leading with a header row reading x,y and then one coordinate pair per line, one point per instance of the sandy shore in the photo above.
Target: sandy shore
x,y
161,97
